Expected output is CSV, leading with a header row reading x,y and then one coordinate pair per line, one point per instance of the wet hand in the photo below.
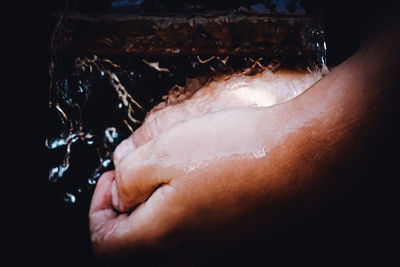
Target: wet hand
x,y
199,179
239,90
219,175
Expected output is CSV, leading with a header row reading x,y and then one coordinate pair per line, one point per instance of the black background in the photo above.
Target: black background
x,y
360,229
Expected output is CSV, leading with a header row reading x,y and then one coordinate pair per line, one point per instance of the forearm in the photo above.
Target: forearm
x,y
324,131
353,97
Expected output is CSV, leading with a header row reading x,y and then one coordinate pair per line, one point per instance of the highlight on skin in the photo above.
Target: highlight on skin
x,y
262,90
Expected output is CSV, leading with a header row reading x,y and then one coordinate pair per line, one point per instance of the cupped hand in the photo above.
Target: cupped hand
x,y
200,182
201,176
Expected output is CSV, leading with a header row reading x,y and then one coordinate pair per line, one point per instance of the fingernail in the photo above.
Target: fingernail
x,y
114,195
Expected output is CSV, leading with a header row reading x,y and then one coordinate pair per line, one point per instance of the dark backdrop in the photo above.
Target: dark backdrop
x,y
358,230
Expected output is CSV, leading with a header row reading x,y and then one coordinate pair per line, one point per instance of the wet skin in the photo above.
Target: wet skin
x,y
225,172
227,92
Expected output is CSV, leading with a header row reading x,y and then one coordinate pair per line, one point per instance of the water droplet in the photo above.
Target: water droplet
x,y
69,198
111,134
57,172
114,79
55,143
92,181
106,163
96,175
53,175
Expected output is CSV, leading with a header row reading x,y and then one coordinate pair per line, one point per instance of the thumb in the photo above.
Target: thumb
x,y
137,176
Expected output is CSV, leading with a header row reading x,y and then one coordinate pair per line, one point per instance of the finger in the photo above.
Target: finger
x,y
101,213
102,195
137,176
141,231
126,234
103,220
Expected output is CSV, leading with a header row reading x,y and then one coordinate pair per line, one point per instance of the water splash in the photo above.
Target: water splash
x,y
97,100
70,100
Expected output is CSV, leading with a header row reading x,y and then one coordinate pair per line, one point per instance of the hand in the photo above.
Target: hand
x,y
222,174
193,180
208,179
261,90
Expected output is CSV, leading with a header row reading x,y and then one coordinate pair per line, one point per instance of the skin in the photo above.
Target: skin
x,y
261,90
221,174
